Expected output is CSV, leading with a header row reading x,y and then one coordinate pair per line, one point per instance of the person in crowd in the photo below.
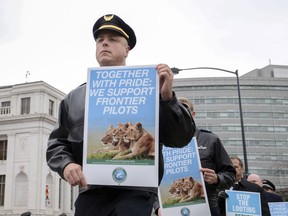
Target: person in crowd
x,y
255,179
241,184
268,187
219,173
114,40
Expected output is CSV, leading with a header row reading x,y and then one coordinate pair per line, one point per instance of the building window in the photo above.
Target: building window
x,y
25,105
21,190
5,107
3,149
51,107
2,189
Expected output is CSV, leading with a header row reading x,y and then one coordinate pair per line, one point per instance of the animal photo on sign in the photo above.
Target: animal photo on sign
x,y
125,142
184,190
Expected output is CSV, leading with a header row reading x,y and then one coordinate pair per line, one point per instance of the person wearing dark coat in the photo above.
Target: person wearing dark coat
x,y
270,191
114,39
219,173
268,187
242,184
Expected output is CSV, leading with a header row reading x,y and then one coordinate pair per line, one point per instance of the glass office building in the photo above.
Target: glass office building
x,y
264,98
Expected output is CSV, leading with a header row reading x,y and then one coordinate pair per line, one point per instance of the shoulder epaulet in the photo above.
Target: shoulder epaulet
x,y
205,130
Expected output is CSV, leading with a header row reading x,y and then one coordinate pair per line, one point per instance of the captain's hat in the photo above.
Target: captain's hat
x,y
115,23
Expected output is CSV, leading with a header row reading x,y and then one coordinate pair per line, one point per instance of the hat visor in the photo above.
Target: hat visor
x,y
112,28
267,186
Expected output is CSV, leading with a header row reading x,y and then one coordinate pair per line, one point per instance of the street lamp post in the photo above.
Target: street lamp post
x,y
176,71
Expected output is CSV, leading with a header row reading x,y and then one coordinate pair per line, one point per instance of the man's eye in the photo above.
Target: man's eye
x,y
99,40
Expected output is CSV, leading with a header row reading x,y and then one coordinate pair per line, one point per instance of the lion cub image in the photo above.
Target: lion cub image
x,y
126,141
118,137
113,138
141,142
186,189
107,139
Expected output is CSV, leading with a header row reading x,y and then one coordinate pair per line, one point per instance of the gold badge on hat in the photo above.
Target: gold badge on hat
x,y
108,18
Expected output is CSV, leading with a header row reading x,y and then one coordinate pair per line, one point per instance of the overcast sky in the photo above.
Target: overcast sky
x,y
52,39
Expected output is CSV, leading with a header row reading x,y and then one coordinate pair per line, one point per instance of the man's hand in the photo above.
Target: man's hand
x,y
166,81
222,195
209,176
159,212
74,176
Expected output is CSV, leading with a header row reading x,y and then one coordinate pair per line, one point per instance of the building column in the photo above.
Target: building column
x,y
66,198
9,176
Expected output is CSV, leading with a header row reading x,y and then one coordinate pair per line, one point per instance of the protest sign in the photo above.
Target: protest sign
x,y
121,126
278,208
182,189
243,203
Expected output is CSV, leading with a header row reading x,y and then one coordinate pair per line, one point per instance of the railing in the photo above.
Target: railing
x,y
5,110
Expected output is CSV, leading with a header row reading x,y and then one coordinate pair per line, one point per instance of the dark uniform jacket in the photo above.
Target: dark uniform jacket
x,y
214,156
65,144
244,185
273,197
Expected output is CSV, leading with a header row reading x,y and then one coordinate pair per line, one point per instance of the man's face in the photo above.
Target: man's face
x,y
238,168
111,49
255,179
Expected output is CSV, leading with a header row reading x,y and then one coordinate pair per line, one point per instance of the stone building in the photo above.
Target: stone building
x,y
264,99
28,113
